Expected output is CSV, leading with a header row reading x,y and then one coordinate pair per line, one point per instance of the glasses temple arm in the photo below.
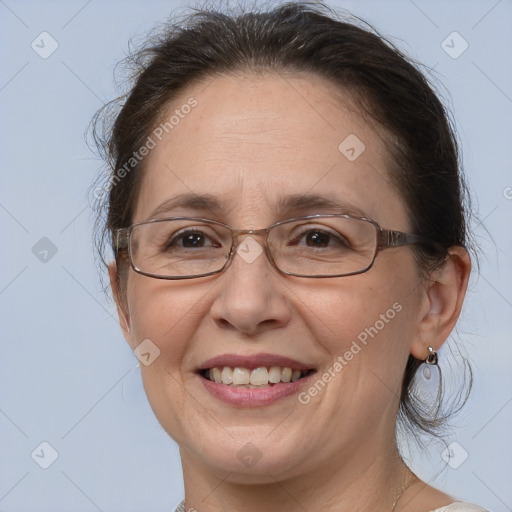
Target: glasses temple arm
x,y
121,237
390,238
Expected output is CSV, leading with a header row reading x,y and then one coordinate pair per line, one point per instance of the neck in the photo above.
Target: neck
x,y
360,480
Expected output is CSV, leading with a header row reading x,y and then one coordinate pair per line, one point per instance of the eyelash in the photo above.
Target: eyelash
x,y
299,236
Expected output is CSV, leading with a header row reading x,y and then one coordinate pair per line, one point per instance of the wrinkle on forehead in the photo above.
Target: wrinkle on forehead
x,y
249,138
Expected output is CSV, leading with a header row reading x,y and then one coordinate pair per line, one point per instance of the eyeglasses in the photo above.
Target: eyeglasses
x,y
312,246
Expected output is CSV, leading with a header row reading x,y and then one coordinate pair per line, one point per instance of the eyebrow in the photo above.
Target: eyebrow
x,y
295,204
301,203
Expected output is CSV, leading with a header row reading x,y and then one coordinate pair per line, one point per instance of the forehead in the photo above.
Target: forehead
x,y
252,139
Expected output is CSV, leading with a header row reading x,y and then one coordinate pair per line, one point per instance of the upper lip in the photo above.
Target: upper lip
x,y
253,361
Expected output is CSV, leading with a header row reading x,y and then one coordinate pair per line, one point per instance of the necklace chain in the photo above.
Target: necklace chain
x,y
399,494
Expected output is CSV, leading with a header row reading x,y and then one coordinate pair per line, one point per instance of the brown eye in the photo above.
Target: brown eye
x,y
320,239
190,239
317,239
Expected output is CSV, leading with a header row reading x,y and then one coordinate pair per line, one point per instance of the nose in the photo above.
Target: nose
x,y
251,295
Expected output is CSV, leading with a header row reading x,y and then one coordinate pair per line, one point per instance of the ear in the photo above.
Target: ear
x,y
121,305
440,306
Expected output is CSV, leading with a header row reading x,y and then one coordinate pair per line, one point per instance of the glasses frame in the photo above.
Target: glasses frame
x,y
386,238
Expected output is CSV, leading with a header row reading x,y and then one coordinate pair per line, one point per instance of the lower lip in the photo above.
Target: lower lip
x,y
254,397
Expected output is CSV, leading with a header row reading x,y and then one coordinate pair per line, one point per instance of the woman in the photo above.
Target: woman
x,y
287,216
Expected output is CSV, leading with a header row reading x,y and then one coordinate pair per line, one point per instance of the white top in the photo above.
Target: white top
x,y
457,506
460,506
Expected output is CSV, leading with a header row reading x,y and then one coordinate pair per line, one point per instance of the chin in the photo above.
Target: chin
x,y
247,457
260,471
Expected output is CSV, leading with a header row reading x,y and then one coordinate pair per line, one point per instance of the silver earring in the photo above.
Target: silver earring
x,y
432,358
429,376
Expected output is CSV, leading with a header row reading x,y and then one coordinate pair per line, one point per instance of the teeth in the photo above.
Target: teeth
x,y
217,376
286,374
241,376
261,376
274,375
227,375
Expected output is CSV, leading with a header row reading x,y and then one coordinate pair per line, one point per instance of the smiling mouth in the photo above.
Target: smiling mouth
x,y
262,377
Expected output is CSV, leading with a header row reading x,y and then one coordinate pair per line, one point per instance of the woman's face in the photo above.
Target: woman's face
x,y
251,142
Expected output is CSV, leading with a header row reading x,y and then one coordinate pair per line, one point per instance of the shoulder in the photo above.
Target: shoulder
x,y
460,506
457,506
423,497
180,507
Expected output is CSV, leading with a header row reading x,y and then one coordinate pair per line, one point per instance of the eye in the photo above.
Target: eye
x,y
190,239
317,238
320,238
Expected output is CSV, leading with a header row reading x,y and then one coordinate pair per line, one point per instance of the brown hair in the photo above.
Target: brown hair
x,y
305,36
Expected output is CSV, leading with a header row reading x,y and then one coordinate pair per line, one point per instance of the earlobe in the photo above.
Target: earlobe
x,y
441,303
124,317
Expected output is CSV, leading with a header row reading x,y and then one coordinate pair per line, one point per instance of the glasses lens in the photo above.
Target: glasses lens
x,y
179,247
323,246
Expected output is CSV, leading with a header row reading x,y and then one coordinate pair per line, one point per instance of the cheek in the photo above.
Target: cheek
x,y
341,313
374,311
166,313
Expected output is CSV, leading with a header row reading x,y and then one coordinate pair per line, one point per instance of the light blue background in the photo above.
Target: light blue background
x,y
68,377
